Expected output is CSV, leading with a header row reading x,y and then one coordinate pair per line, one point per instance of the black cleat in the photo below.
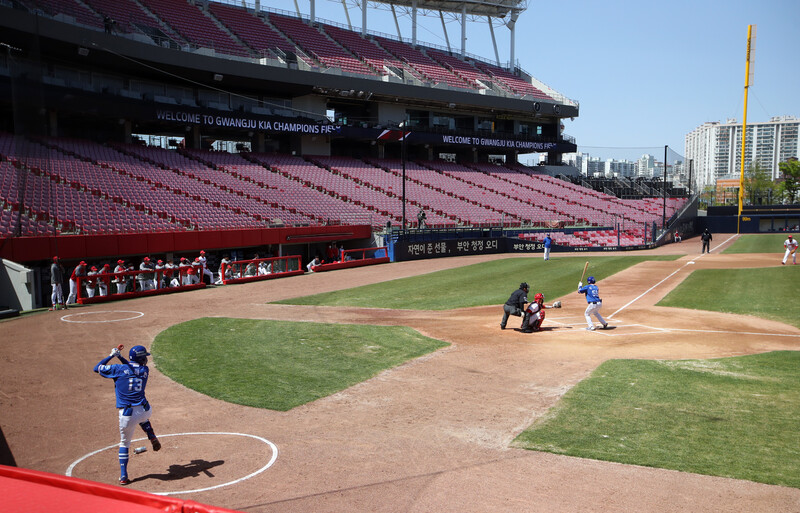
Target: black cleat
x,y
156,444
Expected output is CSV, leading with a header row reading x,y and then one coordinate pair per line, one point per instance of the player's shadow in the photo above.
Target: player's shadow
x,y
542,329
178,472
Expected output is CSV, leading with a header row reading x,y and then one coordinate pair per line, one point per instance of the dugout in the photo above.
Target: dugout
x,y
754,219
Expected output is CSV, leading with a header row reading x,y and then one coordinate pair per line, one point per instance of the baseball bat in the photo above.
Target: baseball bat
x,y
121,347
585,267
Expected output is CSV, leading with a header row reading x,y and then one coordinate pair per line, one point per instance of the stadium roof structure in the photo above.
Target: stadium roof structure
x,y
492,8
504,11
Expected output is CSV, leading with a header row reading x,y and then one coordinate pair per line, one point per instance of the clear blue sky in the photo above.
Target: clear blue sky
x,y
645,72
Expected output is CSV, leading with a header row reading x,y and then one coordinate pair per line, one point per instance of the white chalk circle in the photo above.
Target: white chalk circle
x,y
271,461
129,316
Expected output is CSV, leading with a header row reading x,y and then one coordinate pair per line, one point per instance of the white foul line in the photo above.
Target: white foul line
x,y
665,279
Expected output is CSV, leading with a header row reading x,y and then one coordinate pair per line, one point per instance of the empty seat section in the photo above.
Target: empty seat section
x,y
194,26
316,44
365,49
373,186
465,70
301,184
130,17
71,8
251,29
423,64
516,84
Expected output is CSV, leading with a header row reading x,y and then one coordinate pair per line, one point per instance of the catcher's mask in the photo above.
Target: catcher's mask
x,y
539,298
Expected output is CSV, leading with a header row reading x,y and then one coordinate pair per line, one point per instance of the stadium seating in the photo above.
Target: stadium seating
x,y
268,34
375,187
51,192
130,17
257,34
472,75
194,26
316,44
291,174
72,8
424,65
369,52
77,186
515,84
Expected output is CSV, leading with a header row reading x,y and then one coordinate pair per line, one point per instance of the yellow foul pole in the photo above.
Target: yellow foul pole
x,y
751,35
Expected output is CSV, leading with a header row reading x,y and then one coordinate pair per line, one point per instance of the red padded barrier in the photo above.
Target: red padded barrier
x,y
350,263
31,491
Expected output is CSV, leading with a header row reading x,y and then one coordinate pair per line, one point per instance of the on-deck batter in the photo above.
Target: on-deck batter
x,y
130,381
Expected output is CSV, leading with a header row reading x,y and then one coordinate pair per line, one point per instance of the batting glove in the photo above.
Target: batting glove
x,y
114,352
580,284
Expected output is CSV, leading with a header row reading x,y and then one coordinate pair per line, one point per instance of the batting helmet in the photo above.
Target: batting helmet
x,y
523,286
590,279
138,354
538,297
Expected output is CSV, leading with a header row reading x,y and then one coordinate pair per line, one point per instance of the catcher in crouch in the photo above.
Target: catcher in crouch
x,y
534,314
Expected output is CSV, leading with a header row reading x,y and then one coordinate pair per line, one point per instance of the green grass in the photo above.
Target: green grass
x,y
488,283
280,364
734,417
758,243
770,293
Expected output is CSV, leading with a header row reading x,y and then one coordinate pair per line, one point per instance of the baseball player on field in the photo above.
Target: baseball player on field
x,y
56,281
535,313
547,243
594,303
790,245
515,305
130,380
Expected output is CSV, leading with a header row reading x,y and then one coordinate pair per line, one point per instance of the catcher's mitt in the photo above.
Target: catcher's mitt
x,y
557,304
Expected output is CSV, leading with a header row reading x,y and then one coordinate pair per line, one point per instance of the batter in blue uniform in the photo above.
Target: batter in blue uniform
x,y
594,303
130,380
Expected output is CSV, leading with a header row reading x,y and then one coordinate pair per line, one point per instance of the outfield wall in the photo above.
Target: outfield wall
x,y
402,250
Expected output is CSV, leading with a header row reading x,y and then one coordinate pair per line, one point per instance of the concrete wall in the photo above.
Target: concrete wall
x,y
17,288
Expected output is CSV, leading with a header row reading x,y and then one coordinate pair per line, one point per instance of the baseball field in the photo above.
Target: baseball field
x,y
392,388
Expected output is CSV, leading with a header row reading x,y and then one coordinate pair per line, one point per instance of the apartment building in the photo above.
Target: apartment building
x,y
715,148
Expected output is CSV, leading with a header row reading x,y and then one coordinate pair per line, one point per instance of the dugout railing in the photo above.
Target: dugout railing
x,y
355,258
104,287
257,269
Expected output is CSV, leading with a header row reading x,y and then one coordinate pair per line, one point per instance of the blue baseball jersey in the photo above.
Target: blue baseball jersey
x,y
592,293
548,241
130,381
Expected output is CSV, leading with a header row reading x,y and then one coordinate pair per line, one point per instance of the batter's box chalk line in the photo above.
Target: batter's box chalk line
x,y
272,459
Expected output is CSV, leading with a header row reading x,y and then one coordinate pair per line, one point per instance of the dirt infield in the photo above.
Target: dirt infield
x,y
430,435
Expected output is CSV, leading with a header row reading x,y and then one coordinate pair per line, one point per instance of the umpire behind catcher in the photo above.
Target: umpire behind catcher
x,y
515,305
